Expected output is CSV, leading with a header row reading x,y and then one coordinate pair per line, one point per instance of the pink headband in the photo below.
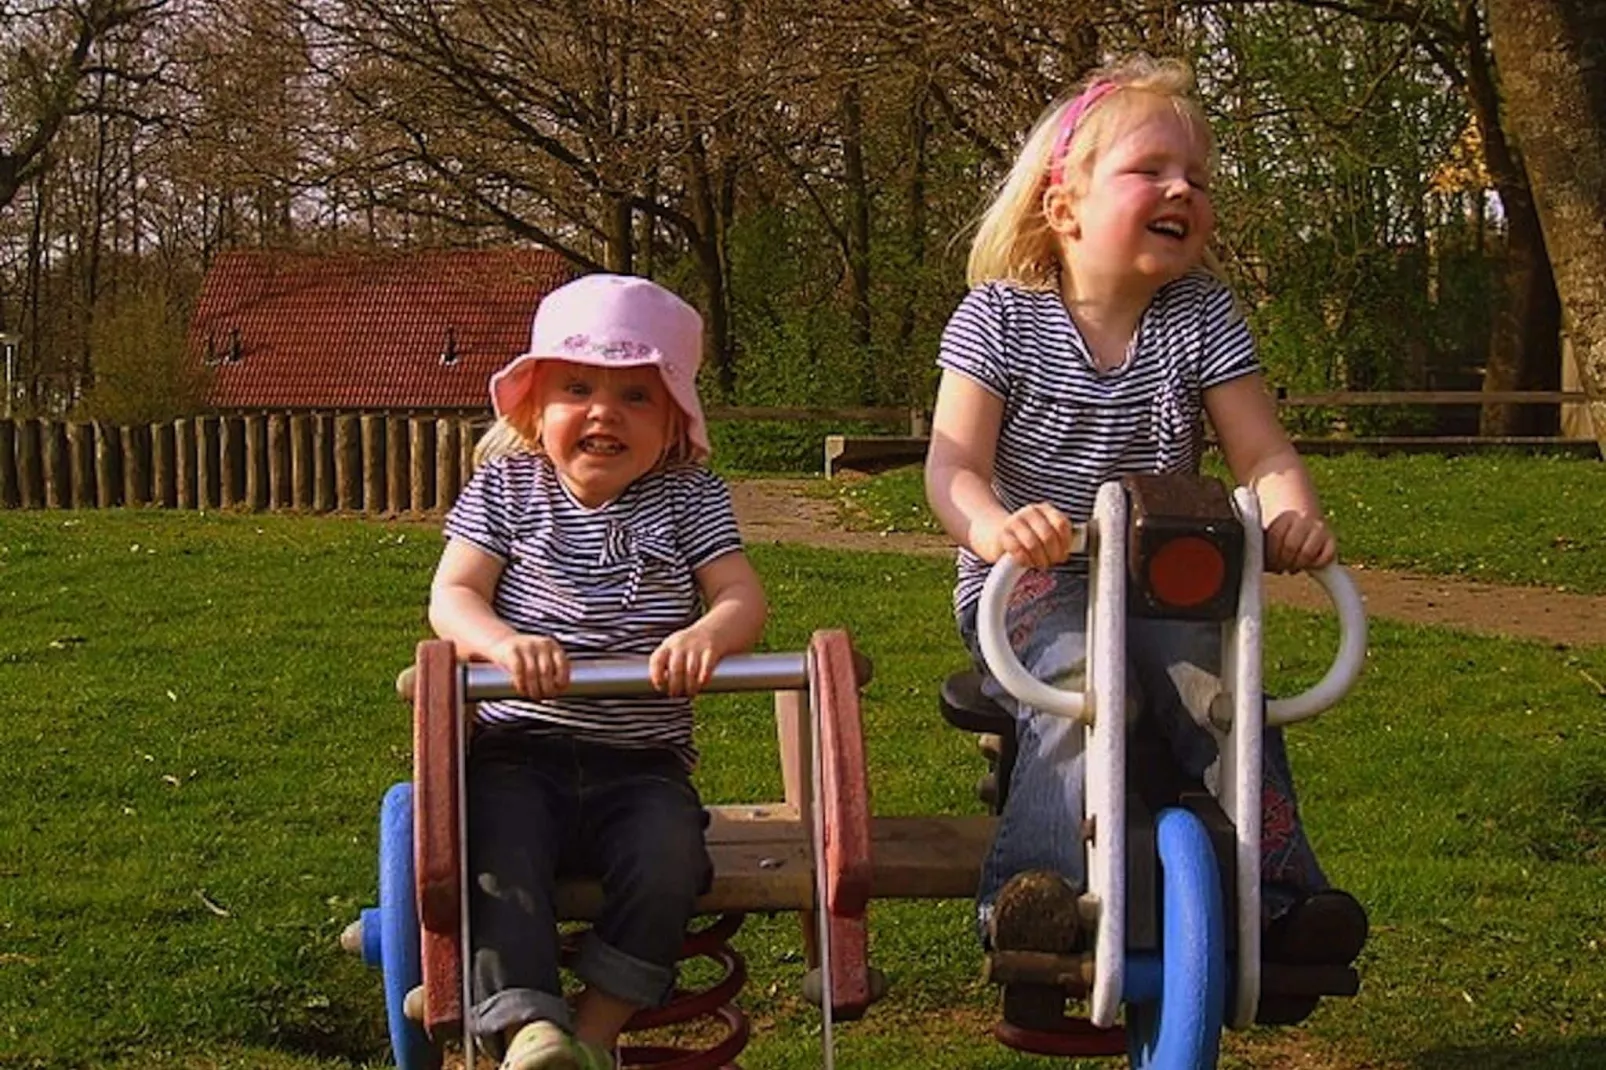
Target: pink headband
x,y
1073,118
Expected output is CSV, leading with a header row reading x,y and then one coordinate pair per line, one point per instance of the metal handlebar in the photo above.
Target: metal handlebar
x,y
622,677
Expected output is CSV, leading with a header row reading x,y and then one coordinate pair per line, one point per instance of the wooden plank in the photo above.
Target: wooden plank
x,y
761,861
231,472
872,453
1448,445
1364,398
793,414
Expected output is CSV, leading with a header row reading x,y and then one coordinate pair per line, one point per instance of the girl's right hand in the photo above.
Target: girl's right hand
x,y
537,664
1036,536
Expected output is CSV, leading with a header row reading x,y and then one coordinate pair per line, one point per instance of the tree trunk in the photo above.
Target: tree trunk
x,y
1525,342
1552,60
858,238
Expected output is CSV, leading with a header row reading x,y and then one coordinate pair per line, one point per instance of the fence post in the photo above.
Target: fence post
x,y
396,457
30,470
302,467
58,474
10,492
208,454
254,443
232,471
470,435
348,463
108,466
447,451
185,476
81,459
164,476
323,463
421,439
373,464
136,465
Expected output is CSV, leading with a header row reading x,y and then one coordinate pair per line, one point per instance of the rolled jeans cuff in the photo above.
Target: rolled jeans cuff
x,y
637,982
513,1007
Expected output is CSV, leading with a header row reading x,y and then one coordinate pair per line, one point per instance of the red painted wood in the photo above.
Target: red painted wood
x,y
845,808
439,857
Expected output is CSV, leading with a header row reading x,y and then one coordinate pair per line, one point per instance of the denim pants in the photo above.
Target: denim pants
x,y
540,805
1173,672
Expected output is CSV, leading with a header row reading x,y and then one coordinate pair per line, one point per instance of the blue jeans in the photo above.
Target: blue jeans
x,y
1173,671
544,805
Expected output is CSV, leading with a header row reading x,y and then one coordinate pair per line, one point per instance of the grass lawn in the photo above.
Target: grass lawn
x,y
1501,518
196,725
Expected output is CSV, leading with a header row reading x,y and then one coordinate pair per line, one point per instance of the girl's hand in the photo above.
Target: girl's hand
x,y
1036,536
1296,543
683,662
537,664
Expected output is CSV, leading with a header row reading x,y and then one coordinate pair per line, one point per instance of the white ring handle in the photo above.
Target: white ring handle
x,y
1346,667
993,636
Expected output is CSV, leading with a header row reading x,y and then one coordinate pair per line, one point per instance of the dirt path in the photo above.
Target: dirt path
x,y
779,510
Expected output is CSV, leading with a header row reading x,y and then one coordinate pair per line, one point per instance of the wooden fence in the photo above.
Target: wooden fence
x,y
315,462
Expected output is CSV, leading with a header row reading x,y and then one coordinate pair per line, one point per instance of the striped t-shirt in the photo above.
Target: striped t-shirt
x,y
1067,428
613,580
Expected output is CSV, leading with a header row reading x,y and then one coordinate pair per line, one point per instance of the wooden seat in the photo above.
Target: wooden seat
x,y
761,861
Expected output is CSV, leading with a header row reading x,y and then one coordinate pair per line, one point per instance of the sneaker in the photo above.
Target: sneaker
x,y
544,1046
1327,928
592,1057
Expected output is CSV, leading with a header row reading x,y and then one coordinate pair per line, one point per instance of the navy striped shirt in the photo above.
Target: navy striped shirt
x,y
617,579
1067,428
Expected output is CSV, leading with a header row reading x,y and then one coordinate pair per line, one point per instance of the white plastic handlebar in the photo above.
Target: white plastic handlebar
x,y
1346,667
993,636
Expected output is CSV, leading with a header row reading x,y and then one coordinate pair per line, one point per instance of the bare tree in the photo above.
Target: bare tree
x,y
51,44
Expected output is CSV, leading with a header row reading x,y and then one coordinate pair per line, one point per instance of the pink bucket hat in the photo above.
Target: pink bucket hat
x,y
614,321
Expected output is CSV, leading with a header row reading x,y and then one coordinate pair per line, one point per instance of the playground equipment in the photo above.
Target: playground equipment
x,y
1173,900
817,852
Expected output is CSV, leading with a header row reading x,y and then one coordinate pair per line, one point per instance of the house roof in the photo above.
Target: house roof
x,y
415,330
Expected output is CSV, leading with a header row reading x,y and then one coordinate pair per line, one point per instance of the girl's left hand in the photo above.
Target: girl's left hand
x,y
683,663
1296,543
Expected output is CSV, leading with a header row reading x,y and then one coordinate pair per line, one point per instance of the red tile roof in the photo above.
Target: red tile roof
x,y
287,330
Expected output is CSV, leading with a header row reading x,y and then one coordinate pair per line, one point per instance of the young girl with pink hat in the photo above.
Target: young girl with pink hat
x,y
590,528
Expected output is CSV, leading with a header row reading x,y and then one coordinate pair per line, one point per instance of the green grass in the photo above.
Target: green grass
x,y
196,725
1503,518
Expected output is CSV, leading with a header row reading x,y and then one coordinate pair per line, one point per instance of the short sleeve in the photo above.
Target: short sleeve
x,y
1229,349
973,341
479,515
706,522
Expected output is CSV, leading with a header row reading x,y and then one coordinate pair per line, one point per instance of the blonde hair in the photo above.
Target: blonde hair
x,y
519,431
1013,241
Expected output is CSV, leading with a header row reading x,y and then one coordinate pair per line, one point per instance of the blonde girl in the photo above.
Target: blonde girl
x,y
1093,343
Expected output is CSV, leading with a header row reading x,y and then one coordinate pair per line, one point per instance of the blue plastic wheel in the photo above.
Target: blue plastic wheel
x,y
399,932
1174,1020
